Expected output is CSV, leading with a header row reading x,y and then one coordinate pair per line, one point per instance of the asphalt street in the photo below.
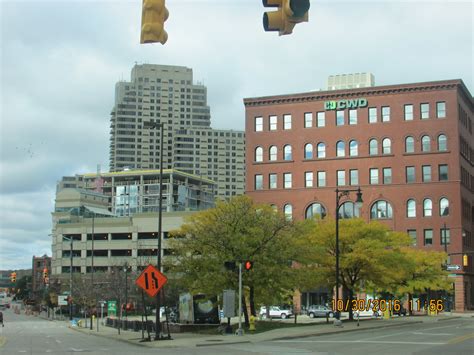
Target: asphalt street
x,y
31,335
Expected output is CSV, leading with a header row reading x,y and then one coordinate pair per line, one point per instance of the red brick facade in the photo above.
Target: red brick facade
x,y
440,122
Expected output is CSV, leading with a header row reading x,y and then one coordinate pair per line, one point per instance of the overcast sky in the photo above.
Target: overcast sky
x,y
60,61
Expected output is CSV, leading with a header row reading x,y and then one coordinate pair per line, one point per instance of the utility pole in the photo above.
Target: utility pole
x,y
240,331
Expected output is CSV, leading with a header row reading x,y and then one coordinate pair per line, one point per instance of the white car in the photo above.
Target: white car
x,y
276,312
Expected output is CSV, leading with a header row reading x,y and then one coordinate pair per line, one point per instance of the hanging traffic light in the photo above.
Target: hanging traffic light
x,y
248,265
45,273
13,277
289,13
465,261
154,15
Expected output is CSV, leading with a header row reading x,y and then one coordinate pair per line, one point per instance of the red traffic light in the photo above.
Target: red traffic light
x,y
248,265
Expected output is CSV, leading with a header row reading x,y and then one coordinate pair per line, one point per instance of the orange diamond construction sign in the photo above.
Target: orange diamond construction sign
x,y
151,280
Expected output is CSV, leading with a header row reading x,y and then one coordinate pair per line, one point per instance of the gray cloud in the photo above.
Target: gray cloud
x,y
60,61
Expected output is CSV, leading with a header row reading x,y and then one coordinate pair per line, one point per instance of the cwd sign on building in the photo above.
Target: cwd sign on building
x,y
343,104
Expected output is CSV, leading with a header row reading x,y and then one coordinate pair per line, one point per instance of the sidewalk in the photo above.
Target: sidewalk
x,y
189,340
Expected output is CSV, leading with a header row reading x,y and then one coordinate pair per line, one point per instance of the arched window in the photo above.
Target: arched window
x,y
273,153
411,208
288,211
308,151
409,144
315,209
258,154
373,147
387,146
321,150
444,207
381,210
287,152
348,210
340,149
425,144
353,148
427,207
442,143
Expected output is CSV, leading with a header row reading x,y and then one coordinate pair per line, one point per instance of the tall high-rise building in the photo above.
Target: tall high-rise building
x,y
166,94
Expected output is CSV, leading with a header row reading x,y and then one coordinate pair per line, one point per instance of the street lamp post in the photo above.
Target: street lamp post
x,y
125,269
339,195
152,125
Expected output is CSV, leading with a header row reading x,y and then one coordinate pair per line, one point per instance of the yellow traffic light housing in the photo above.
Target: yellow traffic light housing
x,y
154,15
289,13
13,277
465,260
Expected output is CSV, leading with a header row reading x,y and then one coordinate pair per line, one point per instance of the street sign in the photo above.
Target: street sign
x,y
112,308
453,267
151,280
62,300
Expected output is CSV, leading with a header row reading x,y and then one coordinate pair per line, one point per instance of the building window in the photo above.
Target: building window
x,y
425,144
273,153
374,176
273,123
287,155
286,121
444,207
321,178
411,208
315,209
373,147
353,148
425,111
441,109
341,178
386,146
381,210
287,180
308,151
352,117
258,182
412,234
288,211
354,177
428,237
409,144
445,236
442,143
372,114
410,174
340,149
321,150
340,118
408,112
321,119
259,154
272,179
258,124
443,172
308,120
308,179
426,169
348,210
427,207
387,175
385,113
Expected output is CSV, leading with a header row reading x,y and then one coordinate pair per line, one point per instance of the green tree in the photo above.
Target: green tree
x,y
368,252
238,230
23,287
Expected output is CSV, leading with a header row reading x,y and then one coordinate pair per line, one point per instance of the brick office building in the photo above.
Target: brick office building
x,y
409,147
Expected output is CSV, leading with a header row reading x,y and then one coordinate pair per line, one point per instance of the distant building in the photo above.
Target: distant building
x,y
350,81
40,264
166,94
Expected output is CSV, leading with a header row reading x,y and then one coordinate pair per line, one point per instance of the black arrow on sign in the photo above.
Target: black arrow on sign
x,y
146,280
155,280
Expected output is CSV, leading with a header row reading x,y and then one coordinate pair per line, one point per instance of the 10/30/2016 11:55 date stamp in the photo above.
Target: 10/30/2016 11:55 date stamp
x,y
393,305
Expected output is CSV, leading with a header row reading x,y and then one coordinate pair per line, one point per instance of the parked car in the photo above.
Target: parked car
x,y
401,312
320,311
369,313
276,312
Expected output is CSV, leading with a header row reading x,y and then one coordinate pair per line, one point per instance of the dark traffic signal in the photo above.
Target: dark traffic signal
x,y
154,15
288,14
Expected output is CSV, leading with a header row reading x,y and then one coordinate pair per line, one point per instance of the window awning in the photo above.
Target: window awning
x,y
101,211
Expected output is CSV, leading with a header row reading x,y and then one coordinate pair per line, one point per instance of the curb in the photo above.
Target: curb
x,y
107,336
447,318
224,343
345,331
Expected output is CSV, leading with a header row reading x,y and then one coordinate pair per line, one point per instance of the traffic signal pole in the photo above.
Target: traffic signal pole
x,y
240,331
